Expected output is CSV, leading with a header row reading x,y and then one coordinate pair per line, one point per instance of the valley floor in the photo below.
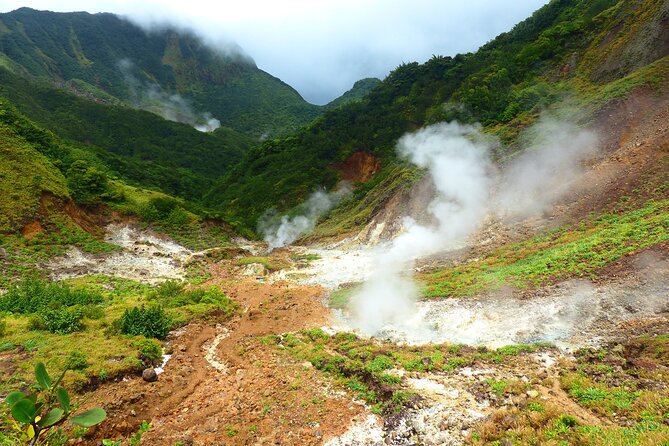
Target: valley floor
x,y
279,373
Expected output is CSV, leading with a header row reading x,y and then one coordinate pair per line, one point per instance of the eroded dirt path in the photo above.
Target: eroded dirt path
x,y
224,386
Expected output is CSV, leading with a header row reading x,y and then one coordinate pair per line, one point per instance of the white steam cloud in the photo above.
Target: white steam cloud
x,y
544,172
281,231
459,166
457,157
173,107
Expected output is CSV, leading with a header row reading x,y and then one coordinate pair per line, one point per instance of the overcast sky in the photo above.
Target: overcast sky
x,y
322,47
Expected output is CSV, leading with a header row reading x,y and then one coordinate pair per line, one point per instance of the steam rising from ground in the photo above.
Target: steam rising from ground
x,y
574,314
535,180
281,231
457,158
173,107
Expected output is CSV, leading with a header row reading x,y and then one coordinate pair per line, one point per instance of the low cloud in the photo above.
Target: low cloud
x,y
288,39
173,107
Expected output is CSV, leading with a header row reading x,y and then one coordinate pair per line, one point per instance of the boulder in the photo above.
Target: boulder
x,y
149,375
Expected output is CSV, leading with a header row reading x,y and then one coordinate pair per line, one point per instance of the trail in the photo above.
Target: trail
x,y
222,379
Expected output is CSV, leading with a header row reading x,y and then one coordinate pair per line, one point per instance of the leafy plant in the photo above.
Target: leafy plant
x,y
50,406
62,320
151,322
76,360
149,349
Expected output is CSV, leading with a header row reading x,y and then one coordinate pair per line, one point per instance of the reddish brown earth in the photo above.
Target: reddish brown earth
x,y
359,167
263,397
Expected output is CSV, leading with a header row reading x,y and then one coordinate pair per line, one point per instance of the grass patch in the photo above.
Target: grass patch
x,y
270,263
625,387
576,251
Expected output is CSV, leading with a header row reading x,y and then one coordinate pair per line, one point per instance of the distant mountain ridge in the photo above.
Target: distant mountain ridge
x,y
109,59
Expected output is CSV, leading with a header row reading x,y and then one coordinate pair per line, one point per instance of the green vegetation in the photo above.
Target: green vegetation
x,y
36,414
576,250
25,175
34,295
192,303
624,387
110,140
505,85
366,367
356,94
566,56
112,60
151,322
98,350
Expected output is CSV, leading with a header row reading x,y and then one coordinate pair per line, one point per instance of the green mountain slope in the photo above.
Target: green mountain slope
x,y
589,51
135,145
107,58
25,175
359,90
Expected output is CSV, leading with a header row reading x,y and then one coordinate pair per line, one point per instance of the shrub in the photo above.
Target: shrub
x,y
87,184
76,361
172,294
33,295
150,322
149,349
3,328
62,320
167,291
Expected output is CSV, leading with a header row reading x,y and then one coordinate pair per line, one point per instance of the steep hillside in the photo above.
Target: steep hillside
x,y
587,52
134,145
107,58
357,93
25,176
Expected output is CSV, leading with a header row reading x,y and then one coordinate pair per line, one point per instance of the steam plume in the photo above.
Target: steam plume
x,y
173,107
539,176
281,231
457,159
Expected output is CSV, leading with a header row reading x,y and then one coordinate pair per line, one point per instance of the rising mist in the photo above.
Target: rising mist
x,y
469,190
173,107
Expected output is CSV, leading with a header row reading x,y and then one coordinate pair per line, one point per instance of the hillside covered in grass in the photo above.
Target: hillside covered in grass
x,y
107,58
134,145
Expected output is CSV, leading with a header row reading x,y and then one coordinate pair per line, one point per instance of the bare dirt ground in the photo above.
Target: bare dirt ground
x,y
224,386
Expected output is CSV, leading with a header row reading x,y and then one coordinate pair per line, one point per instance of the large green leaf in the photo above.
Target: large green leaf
x,y
24,411
90,417
43,378
53,417
14,397
63,398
